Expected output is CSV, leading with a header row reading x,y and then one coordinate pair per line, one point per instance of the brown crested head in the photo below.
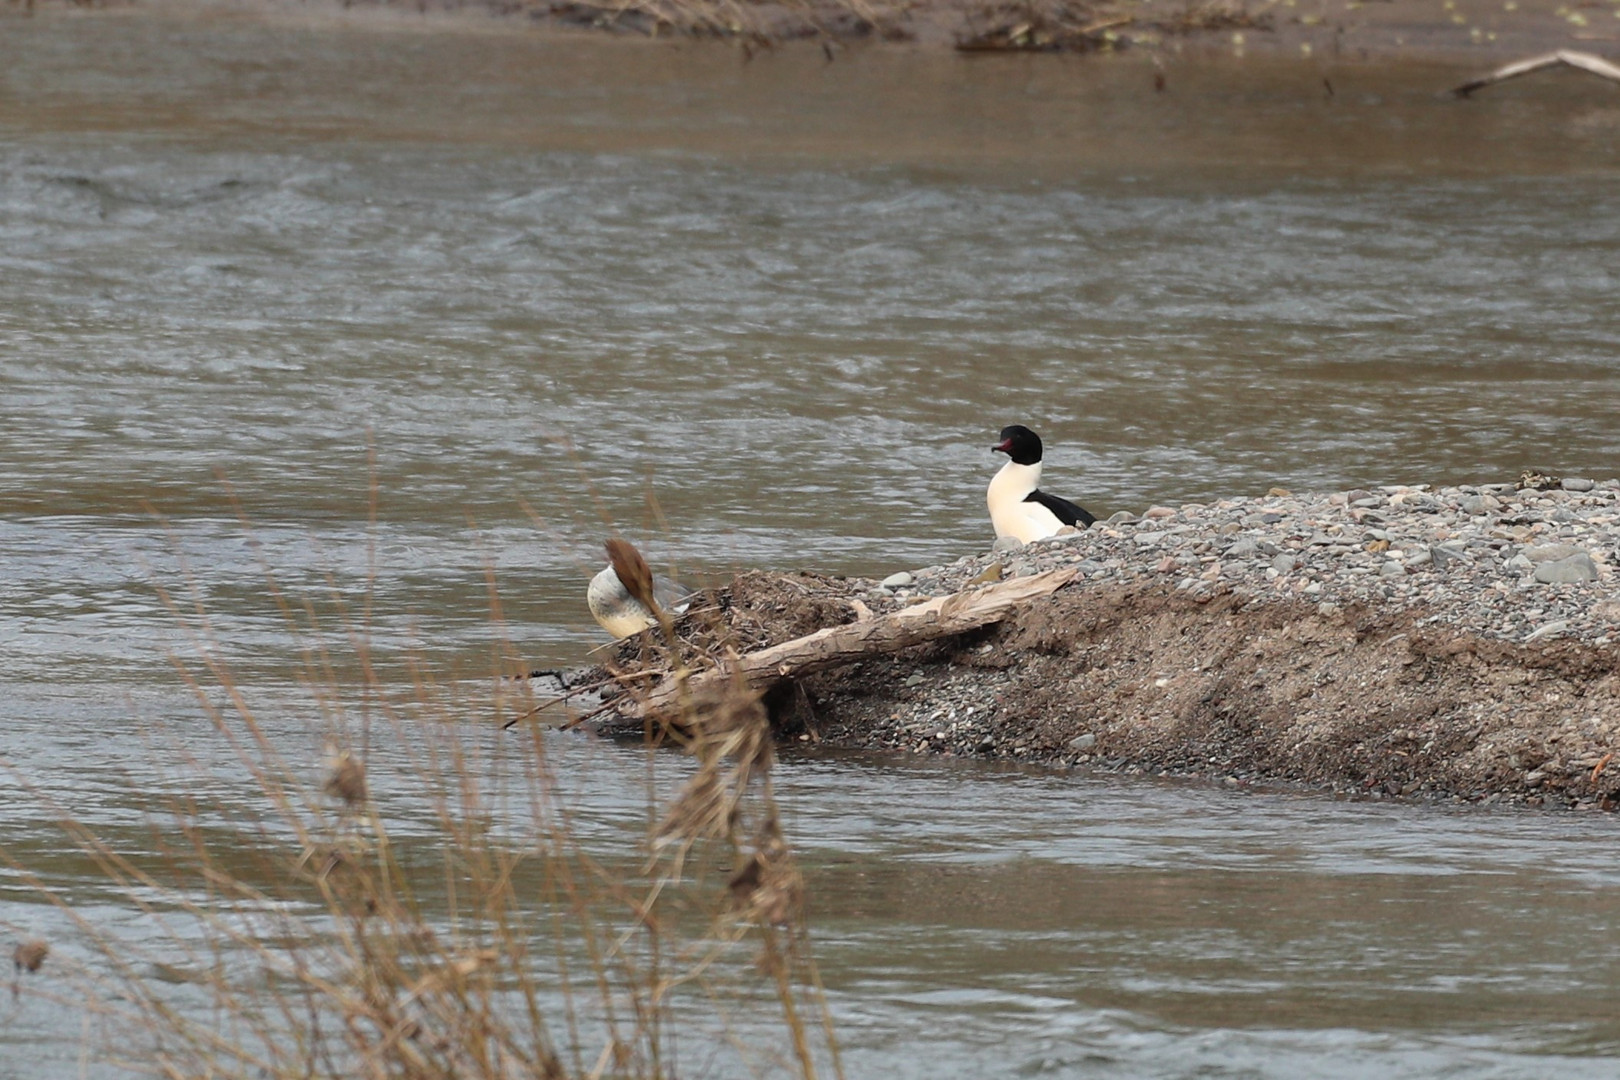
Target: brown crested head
x,y
632,571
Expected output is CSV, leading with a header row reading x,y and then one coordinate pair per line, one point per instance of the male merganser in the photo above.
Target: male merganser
x,y
622,596
1017,507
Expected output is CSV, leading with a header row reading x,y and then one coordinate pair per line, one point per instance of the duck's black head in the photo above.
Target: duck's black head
x,y
1020,444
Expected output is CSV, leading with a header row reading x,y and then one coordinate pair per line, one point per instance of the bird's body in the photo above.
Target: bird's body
x,y
622,596
612,605
1018,508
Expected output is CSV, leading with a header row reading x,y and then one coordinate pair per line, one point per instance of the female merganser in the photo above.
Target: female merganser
x,y
1017,508
622,596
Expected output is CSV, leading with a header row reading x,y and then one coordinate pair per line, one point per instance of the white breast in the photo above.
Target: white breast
x,y
1010,515
619,613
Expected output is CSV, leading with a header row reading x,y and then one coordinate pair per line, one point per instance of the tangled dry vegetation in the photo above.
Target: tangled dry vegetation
x,y
971,25
432,911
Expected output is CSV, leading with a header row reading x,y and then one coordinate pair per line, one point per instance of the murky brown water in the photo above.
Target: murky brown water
x,y
792,300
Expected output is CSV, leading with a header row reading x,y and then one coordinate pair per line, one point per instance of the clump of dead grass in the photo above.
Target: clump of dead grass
x,y
415,898
1212,16
751,22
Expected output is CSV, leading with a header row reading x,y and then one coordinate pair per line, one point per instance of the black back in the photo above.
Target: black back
x,y
1066,511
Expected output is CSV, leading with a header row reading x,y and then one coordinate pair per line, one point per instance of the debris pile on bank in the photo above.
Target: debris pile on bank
x,y
1457,643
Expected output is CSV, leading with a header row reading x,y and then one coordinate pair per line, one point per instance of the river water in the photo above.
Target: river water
x,y
769,314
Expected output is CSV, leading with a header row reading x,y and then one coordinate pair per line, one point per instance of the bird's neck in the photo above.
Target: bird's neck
x,y
1013,482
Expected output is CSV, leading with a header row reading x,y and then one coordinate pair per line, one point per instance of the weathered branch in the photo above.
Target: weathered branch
x,y
836,645
1562,58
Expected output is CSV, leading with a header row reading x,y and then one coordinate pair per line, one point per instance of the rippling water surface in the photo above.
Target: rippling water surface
x,y
549,282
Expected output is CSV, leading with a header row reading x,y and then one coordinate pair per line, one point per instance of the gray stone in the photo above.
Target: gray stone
x,y
898,581
1541,553
1549,630
1006,543
1519,562
1573,483
1420,556
1579,567
1284,563
1243,549
1123,517
1083,742
1445,557
1392,570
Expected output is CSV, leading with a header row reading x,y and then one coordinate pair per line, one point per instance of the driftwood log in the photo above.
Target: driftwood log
x,y
835,645
1562,58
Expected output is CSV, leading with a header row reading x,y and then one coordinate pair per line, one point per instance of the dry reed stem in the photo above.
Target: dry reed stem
x,y
489,944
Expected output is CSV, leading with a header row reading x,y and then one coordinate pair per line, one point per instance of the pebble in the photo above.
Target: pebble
x,y
1006,543
903,580
1578,567
1443,556
1476,558
1540,553
1083,742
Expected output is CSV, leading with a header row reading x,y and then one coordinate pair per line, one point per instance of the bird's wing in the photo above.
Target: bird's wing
x,y
1066,511
672,596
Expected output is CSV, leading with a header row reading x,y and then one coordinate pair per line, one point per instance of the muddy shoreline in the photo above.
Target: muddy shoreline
x,y
1319,32
1461,644
1145,681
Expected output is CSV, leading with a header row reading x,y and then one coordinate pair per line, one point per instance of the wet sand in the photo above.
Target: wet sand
x,y
1321,32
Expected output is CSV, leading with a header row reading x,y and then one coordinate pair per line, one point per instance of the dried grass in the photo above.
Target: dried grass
x,y
297,925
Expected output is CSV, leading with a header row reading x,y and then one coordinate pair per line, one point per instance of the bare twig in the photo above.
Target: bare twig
x,y
844,644
1584,61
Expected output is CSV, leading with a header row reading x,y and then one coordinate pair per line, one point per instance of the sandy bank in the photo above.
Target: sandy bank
x,y
1320,31
1459,643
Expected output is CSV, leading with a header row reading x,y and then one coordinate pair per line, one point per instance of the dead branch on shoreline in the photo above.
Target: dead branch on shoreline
x,y
1587,62
1026,29
836,645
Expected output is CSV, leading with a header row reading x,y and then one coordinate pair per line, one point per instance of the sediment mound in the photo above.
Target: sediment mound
x,y
1457,643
